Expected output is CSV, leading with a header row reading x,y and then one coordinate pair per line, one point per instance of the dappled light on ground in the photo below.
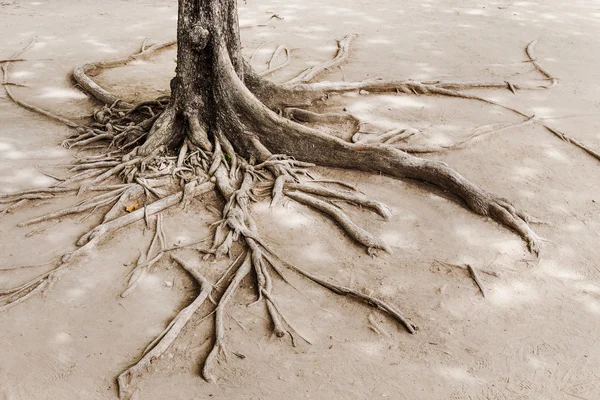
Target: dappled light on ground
x,y
532,337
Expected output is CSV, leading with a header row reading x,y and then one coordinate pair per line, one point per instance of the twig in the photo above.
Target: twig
x,y
475,277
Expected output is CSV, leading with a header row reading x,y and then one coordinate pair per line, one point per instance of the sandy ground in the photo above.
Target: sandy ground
x,y
533,337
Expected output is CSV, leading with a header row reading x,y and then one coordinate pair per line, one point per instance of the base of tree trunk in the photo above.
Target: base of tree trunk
x,y
254,146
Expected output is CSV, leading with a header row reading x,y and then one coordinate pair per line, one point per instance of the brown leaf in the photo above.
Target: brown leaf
x,y
133,207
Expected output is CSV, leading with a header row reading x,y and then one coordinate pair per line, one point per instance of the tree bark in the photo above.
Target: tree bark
x,y
204,29
212,105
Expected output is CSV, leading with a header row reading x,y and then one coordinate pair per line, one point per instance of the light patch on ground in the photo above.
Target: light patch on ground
x,y
457,373
512,294
61,93
370,348
63,338
559,271
289,215
398,239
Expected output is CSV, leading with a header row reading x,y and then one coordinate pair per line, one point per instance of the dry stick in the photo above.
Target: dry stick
x,y
218,347
354,231
5,70
168,336
475,277
342,55
464,266
80,73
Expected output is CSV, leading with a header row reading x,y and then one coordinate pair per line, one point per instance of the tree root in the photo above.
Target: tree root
x,y
248,151
271,69
345,291
341,57
80,74
7,88
163,341
363,237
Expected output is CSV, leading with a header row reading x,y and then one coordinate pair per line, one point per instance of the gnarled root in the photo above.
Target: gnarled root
x,y
246,150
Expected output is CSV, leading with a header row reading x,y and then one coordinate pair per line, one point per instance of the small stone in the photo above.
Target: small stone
x,y
363,92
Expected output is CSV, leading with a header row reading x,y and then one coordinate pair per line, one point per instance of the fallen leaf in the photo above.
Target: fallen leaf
x,y
133,207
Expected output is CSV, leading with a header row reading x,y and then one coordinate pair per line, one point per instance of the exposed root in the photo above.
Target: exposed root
x,y
270,65
98,201
154,254
7,88
320,90
397,137
351,197
341,57
219,344
13,296
163,341
345,291
536,64
246,152
363,237
80,74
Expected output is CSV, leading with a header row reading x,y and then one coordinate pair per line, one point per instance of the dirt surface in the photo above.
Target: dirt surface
x,y
534,335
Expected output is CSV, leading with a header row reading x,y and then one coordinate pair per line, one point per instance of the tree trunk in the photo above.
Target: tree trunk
x,y
207,30
211,105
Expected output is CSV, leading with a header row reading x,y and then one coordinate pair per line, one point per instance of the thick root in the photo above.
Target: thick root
x,y
249,150
355,232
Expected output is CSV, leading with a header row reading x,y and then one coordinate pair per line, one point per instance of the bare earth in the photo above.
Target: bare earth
x,y
533,337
